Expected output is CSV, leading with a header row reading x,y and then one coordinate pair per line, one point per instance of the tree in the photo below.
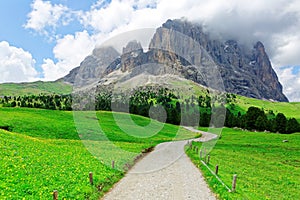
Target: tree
x,y
292,126
231,119
13,104
261,123
251,116
280,123
208,101
204,119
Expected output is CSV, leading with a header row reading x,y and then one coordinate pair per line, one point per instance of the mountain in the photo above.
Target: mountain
x,y
93,66
181,49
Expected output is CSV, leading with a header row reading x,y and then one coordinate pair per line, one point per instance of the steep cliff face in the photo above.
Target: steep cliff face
x,y
245,71
265,72
132,55
92,68
183,48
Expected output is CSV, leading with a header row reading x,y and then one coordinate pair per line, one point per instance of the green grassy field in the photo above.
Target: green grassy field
x,y
289,109
38,87
47,150
44,152
39,123
32,168
267,168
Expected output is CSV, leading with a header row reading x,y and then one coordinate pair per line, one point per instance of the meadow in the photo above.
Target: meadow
x,y
32,168
288,108
44,152
266,167
38,87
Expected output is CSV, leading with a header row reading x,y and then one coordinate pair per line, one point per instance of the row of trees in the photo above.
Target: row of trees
x,y
203,110
45,101
161,104
140,101
257,119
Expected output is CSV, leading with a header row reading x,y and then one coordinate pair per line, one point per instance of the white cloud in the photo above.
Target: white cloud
x,y
276,23
16,65
248,21
69,51
108,18
287,50
44,15
291,82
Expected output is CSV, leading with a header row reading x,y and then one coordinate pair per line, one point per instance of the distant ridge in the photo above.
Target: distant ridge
x,y
35,88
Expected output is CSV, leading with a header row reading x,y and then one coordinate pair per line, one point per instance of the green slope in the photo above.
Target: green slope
x,y
290,109
266,167
32,168
44,152
21,89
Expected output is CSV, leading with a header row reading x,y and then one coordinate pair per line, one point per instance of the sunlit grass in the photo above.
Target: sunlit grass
x,y
38,87
47,151
289,109
267,168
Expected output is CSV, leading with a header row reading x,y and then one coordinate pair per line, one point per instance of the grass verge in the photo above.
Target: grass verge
x,y
267,167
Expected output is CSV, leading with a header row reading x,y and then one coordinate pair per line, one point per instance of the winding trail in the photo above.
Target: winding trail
x,y
165,173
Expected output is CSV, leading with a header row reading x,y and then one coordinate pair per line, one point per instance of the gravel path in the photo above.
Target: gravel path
x,y
165,173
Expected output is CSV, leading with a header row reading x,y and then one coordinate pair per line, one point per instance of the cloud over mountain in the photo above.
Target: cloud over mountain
x,y
276,23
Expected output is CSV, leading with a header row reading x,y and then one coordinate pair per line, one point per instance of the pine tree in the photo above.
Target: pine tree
x,y
261,123
280,123
292,126
251,116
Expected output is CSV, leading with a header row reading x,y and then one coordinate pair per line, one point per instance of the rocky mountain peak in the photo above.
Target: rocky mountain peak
x,y
132,56
133,46
259,46
93,66
105,54
243,70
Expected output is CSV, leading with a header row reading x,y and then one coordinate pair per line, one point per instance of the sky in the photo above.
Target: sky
x,y
44,40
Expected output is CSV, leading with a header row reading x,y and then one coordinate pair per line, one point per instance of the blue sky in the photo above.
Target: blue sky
x,y
13,16
44,40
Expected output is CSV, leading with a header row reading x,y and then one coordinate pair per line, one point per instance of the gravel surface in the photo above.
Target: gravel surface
x,y
165,173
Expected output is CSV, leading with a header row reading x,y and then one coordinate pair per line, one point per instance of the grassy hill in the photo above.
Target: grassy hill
x,y
38,87
267,168
44,151
289,109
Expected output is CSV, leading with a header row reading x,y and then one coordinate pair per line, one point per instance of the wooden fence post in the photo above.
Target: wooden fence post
x,y
234,183
217,169
113,164
91,178
208,158
55,195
